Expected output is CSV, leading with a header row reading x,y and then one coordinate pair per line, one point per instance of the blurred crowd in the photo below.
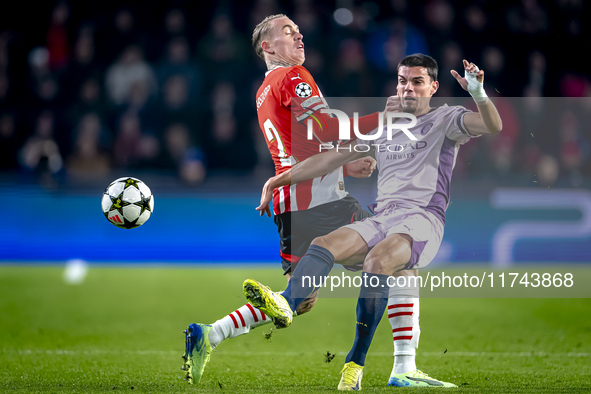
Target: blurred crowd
x,y
90,88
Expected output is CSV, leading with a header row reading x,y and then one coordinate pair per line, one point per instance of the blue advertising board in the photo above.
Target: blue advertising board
x,y
511,226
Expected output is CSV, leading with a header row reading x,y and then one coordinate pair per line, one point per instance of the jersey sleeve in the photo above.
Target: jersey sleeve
x,y
301,95
456,129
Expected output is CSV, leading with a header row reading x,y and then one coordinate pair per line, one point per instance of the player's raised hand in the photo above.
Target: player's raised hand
x,y
470,70
361,168
473,82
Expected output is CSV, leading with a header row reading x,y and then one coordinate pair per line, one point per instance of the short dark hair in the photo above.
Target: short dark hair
x,y
421,60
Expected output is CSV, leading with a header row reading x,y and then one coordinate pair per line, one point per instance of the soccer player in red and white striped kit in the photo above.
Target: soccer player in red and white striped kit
x,y
286,100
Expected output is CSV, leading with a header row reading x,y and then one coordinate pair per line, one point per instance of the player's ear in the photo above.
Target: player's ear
x,y
434,87
266,47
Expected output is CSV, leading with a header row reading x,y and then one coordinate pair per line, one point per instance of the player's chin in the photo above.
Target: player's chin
x,y
409,107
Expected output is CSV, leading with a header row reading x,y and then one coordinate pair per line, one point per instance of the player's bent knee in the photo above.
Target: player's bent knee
x,y
328,244
344,244
376,265
389,256
321,241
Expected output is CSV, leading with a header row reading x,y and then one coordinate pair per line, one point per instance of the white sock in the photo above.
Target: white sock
x,y
236,323
403,314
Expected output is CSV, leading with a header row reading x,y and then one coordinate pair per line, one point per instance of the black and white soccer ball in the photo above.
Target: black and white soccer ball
x,y
303,90
127,203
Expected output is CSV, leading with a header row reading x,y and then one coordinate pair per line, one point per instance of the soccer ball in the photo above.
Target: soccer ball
x,y
127,203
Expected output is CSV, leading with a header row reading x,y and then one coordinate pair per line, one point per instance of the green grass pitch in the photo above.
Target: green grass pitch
x,y
121,331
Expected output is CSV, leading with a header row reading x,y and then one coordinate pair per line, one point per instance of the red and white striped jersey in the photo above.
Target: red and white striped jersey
x,y
287,97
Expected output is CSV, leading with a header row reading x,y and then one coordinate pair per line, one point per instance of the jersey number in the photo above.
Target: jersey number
x,y
273,134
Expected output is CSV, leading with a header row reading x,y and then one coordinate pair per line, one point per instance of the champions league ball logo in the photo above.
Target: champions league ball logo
x,y
303,90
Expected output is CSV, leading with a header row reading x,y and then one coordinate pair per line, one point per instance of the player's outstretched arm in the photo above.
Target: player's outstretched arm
x,y
487,120
313,167
323,163
361,168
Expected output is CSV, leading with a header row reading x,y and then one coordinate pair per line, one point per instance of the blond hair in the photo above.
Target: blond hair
x,y
262,31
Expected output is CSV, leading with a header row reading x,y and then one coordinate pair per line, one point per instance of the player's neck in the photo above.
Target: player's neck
x,y
274,63
423,111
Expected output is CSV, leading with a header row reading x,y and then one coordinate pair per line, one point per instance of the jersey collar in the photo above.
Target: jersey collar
x,y
273,69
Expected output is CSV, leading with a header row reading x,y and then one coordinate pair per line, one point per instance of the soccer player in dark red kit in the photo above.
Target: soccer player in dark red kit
x,y
286,100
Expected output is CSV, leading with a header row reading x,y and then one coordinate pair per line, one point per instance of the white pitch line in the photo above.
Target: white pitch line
x,y
506,354
62,352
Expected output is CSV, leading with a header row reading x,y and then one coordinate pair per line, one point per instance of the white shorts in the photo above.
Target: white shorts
x,y
422,226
